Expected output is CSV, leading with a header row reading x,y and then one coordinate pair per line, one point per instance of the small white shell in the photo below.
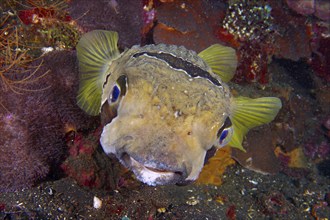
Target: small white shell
x,y
45,50
97,203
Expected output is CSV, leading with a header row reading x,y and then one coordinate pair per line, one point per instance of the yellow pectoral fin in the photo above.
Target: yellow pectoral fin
x,y
237,138
249,113
221,59
95,51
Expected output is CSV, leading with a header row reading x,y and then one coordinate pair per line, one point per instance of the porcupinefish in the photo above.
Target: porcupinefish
x,y
164,107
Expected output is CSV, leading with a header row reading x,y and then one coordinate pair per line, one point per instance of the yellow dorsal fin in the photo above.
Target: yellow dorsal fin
x,y
249,113
221,59
95,51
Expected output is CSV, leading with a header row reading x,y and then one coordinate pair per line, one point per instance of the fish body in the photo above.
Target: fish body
x,y
164,106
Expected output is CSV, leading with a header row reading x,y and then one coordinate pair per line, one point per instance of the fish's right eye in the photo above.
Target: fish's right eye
x,y
109,108
115,93
118,90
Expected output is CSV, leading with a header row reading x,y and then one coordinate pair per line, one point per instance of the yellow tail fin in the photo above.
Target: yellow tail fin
x,y
221,59
95,51
249,113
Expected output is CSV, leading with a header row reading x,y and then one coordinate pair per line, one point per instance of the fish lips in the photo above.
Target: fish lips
x,y
153,172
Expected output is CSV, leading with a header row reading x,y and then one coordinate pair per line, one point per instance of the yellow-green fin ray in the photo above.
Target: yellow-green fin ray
x,y
221,59
95,51
249,113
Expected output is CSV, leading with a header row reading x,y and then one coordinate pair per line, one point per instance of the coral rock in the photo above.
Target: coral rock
x,y
259,154
185,23
124,16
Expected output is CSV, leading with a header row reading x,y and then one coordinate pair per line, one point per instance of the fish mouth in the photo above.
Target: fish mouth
x,y
153,175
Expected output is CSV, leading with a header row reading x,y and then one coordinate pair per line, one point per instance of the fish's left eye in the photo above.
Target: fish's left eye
x,y
225,136
225,133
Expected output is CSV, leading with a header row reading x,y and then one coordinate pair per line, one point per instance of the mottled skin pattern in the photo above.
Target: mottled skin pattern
x,y
167,120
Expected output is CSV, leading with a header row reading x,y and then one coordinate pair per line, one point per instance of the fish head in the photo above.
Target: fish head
x,y
164,124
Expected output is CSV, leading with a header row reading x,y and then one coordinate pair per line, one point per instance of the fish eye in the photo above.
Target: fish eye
x,y
119,89
225,133
115,93
225,136
109,108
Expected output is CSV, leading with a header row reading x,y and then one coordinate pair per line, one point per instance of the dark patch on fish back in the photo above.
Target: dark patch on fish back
x,y
179,63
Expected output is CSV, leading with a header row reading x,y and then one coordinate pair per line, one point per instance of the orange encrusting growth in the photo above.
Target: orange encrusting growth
x,y
215,168
295,158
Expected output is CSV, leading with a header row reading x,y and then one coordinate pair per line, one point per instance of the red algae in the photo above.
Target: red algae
x,y
275,203
253,65
42,14
231,212
320,61
224,36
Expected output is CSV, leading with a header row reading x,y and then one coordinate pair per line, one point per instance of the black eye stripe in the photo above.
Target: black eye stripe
x,y
106,80
179,63
122,82
227,124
